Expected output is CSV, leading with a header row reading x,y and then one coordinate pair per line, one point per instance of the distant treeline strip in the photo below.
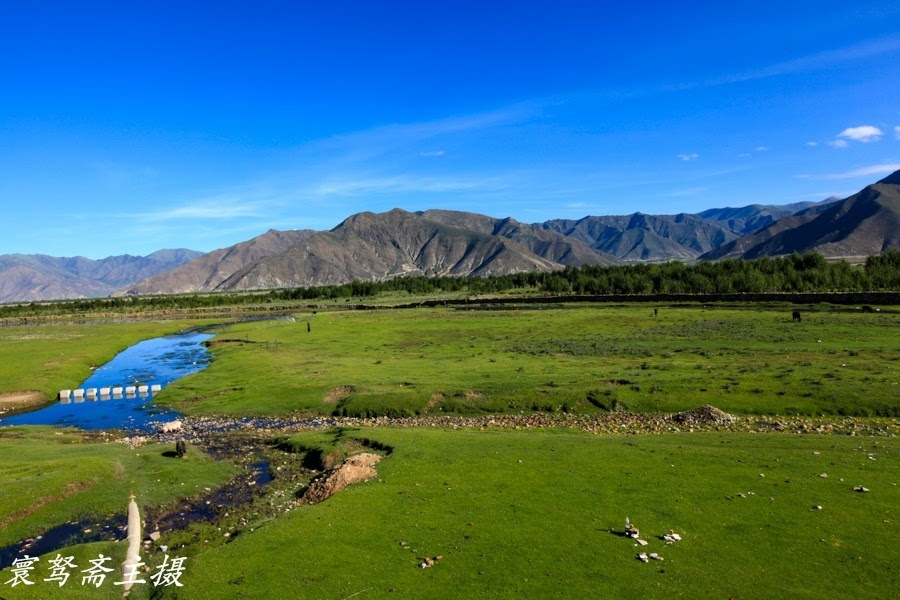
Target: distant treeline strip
x,y
798,274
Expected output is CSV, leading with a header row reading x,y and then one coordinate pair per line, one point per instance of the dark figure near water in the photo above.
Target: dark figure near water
x,y
796,316
868,309
308,327
180,448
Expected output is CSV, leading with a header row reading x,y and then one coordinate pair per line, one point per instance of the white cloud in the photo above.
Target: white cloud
x,y
432,153
838,143
744,154
692,156
812,144
863,133
897,132
760,148
884,169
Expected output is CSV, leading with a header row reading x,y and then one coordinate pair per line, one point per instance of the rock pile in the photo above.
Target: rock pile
x,y
704,415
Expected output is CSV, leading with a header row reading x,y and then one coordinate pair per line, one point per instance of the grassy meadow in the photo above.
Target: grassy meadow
x,y
535,513
743,359
50,476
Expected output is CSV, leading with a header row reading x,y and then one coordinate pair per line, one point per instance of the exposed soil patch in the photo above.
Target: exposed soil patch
x,y
23,398
473,395
336,394
436,399
353,470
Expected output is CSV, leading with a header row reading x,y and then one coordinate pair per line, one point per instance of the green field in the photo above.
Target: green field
x,y
742,359
530,514
525,514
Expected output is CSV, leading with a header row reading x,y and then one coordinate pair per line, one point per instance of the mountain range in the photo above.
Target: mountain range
x,y
370,246
29,277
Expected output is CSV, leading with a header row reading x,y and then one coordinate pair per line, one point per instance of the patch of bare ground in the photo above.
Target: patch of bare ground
x,y
354,469
473,395
338,393
436,398
72,487
20,399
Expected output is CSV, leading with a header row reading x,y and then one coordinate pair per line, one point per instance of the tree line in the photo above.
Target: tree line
x,y
809,272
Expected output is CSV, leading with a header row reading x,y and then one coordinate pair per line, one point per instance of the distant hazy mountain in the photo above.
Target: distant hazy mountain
x,y
684,236
748,219
208,271
28,277
867,222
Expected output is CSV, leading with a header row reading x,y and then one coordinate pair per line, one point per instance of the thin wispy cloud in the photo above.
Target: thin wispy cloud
x,y
812,144
689,157
216,208
761,148
897,132
349,186
432,153
884,169
813,62
838,143
368,143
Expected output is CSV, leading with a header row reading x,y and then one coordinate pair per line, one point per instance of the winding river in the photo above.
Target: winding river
x,y
156,361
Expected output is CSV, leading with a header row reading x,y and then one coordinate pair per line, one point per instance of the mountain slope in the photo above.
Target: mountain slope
x,y
542,242
30,277
208,271
640,237
866,223
370,246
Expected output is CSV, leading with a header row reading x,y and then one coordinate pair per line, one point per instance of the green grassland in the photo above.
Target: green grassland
x,y
50,476
536,514
743,359
512,513
48,358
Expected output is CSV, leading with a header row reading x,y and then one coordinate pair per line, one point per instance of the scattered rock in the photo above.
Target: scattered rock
x,y
824,475
154,536
641,542
671,537
630,530
860,488
643,557
656,556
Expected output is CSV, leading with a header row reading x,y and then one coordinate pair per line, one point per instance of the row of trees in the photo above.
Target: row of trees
x,y
799,273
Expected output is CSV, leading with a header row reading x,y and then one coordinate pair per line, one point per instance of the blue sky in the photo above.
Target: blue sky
x,y
126,127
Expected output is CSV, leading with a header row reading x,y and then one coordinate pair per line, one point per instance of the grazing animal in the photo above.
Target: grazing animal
x,y
868,309
180,448
308,327
795,317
